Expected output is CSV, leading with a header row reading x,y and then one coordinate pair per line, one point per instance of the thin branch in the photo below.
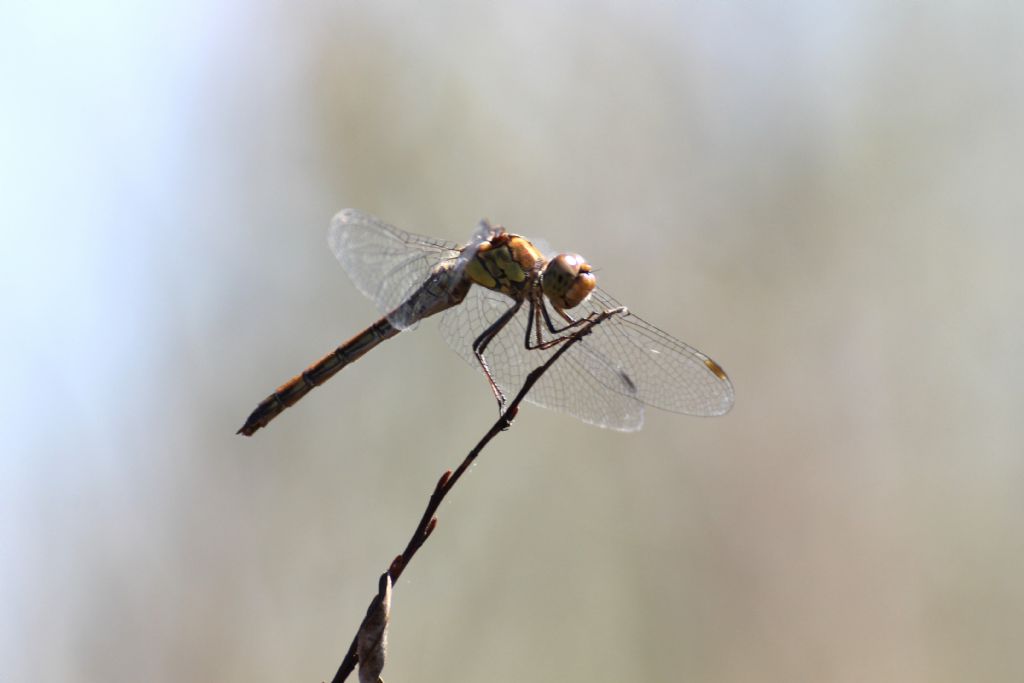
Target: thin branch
x,y
428,522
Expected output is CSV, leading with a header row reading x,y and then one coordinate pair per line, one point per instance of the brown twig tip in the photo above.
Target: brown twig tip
x,y
443,481
372,640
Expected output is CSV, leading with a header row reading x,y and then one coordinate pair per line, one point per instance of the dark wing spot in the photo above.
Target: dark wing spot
x,y
629,382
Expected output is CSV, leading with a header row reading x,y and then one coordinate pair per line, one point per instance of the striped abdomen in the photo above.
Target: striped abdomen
x,y
442,290
316,374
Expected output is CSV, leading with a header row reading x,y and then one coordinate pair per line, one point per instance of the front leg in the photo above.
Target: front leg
x,y
539,309
571,322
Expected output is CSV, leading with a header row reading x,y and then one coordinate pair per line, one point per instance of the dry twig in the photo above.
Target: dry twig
x,y
377,612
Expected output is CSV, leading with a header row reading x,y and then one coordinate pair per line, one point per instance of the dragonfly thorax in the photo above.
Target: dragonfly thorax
x,y
506,263
568,280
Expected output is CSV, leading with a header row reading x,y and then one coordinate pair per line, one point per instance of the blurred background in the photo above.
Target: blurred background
x,y
825,197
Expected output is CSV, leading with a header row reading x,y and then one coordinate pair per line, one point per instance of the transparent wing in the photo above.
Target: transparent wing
x,y
387,264
668,374
579,383
607,378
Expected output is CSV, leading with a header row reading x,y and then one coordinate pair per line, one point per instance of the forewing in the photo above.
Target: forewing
x,y
665,372
607,377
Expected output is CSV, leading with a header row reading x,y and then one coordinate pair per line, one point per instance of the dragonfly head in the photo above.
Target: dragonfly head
x,y
568,280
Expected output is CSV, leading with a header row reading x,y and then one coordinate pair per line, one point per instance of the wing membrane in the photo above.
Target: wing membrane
x,y
385,263
606,378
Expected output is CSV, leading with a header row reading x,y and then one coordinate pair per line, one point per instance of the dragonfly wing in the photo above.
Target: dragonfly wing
x,y
665,372
385,263
605,379
580,383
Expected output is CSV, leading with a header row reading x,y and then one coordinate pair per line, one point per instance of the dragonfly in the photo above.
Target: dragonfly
x,y
506,307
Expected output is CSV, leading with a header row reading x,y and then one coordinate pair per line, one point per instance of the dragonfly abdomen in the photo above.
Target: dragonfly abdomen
x,y
443,289
289,393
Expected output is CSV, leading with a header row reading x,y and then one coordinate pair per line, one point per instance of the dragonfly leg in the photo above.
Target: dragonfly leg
x,y
572,322
533,326
485,338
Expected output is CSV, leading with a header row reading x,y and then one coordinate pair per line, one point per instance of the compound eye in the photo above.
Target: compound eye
x,y
568,280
